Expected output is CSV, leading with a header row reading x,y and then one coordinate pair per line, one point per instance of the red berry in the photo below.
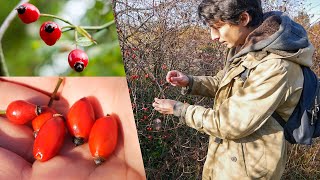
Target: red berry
x,y
80,120
46,114
50,139
103,138
78,60
149,128
50,32
20,112
28,13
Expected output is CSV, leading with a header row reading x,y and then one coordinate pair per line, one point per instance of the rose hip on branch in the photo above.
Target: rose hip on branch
x,y
78,60
50,33
28,13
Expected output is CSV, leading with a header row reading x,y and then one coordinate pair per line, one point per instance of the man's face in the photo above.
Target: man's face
x,y
229,34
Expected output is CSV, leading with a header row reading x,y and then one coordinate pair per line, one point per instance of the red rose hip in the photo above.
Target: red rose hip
x,y
28,13
80,119
46,114
49,139
78,60
20,111
103,138
50,33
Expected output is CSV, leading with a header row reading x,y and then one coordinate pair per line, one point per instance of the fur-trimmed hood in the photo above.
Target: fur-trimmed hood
x,y
280,35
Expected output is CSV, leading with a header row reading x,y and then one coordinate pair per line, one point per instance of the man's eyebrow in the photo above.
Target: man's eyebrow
x,y
217,24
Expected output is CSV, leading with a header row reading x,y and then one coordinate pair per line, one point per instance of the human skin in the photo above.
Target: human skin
x,y
232,35
177,78
107,95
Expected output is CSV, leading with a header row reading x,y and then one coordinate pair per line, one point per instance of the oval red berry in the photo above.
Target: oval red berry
x,y
28,13
80,119
50,33
78,60
46,114
21,112
103,138
49,139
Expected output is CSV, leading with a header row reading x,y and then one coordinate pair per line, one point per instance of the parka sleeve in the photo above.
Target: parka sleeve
x,y
204,85
246,110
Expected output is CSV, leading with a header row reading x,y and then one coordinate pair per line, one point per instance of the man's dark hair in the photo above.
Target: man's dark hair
x,y
212,11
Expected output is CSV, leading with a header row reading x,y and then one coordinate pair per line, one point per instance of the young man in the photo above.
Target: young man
x,y
262,74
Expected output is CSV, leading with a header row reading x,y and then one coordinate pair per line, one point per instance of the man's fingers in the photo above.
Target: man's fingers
x,y
171,74
155,104
16,138
13,166
175,79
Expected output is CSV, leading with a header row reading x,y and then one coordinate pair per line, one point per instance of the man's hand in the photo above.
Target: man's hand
x,y
164,106
107,96
176,78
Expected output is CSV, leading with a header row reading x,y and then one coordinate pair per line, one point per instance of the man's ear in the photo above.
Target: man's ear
x,y
245,18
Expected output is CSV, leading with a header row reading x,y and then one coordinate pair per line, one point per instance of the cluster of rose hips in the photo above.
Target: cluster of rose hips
x,y
50,128
50,33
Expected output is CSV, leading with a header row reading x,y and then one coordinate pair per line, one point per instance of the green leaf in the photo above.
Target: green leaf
x,y
84,33
84,41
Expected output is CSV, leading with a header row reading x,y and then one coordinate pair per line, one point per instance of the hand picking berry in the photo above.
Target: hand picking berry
x,y
49,139
80,120
50,32
28,13
21,112
103,138
78,60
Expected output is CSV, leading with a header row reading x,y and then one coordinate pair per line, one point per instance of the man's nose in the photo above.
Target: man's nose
x,y
214,34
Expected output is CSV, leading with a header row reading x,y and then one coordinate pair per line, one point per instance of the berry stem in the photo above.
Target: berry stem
x,y
53,95
97,28
76,38
104,26
68,27
2,112
56,17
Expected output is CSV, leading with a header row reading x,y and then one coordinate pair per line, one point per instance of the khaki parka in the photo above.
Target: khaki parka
x,y
246,142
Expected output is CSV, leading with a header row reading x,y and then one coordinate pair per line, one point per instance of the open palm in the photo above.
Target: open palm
x,y
107,95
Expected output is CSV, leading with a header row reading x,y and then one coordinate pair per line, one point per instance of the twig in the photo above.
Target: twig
x,y
98,28
3,65
2,112
6,23
53,95
57,17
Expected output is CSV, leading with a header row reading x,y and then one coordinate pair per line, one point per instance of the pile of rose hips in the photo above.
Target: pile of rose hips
x,y
50,33
49,128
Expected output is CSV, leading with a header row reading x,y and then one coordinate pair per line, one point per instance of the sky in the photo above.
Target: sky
x,y
313,7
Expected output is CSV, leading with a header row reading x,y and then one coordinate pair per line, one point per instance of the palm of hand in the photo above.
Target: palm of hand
x,y
72,162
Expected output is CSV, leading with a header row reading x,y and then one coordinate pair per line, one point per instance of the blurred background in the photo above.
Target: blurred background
x,y
27,55
161,35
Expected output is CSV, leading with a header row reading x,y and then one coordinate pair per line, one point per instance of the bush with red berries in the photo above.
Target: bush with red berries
x,y
50,33
36,38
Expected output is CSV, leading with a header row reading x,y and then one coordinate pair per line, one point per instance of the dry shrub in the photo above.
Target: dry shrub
x,y
156,37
